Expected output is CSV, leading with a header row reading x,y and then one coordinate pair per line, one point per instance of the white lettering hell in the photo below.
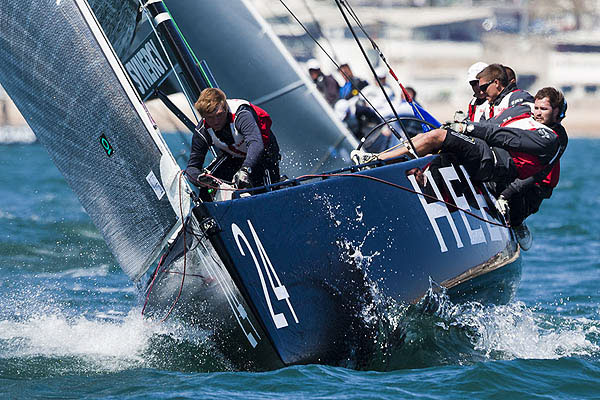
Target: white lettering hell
x,y
436,210
496,232
449,174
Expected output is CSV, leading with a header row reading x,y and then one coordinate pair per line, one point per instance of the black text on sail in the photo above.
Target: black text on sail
x,y
147,66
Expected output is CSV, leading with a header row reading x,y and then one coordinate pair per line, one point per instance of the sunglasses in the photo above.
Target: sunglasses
x,y
486,85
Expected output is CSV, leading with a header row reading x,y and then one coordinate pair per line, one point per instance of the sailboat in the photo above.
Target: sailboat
x,y
288,274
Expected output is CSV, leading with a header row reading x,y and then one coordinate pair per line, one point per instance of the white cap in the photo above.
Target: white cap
x,y
474,70
381,71
312,64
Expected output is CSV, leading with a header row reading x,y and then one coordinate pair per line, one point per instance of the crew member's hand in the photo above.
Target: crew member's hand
x,y
460,127
204,179
502,207
460,116
241,179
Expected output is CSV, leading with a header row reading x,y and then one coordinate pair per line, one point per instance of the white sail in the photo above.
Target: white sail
x,y
63,75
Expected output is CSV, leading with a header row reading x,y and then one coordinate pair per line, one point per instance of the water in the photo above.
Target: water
x,y
70,324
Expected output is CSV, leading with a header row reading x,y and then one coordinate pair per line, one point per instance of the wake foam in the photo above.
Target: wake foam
x,y
438,332
108,341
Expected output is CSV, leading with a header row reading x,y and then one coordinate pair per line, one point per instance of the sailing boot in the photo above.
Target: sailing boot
x,y
524,236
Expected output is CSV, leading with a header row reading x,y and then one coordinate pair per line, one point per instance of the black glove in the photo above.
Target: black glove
x,y
241,179
204,179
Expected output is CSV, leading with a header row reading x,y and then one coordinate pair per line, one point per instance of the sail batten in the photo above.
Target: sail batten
x,y
68,83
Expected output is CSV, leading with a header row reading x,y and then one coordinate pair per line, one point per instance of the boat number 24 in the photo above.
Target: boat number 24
x,y
277,287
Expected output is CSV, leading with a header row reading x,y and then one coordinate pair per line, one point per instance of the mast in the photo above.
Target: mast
x,y
197,78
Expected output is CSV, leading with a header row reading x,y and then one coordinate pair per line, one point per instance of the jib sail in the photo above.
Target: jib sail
x,y
64,77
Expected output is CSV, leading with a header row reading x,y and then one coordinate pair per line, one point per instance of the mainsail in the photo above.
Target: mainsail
x,y
64,77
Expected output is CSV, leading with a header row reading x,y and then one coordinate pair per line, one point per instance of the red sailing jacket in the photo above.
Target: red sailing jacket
x,y
528,164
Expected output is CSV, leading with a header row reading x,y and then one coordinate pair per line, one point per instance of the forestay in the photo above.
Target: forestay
x,y
64,77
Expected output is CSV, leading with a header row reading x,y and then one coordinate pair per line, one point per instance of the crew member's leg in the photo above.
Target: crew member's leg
x,y
425,143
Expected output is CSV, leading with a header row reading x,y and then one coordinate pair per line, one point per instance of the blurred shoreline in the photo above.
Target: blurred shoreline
x,y
581,120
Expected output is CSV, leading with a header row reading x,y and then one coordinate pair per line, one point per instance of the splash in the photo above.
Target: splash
x,y
330,207
58,335
439,332
517,331
40,337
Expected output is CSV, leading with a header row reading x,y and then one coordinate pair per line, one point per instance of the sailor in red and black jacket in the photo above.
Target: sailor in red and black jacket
x,y
241,133
535,144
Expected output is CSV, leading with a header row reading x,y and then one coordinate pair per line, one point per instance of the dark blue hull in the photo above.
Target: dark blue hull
x,y
317,264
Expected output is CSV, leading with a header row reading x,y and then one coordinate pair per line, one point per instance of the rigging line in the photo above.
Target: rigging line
x,y
289,30
405,189
408,97
406,137
335,63
154,275
187,96
318,26
184,251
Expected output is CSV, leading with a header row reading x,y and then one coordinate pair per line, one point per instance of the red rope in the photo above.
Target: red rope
x,y
152,283
354,175
156,271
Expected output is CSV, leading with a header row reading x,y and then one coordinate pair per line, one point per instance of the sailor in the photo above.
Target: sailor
x,y
353,84
481,161
478,104
501,93
326,84
369,115
524,196
510,74
241,132
511,147
411,92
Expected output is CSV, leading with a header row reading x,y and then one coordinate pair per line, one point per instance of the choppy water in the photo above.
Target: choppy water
x,y
70,324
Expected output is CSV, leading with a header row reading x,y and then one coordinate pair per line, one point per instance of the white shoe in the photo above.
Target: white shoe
x,y
524,236
361,157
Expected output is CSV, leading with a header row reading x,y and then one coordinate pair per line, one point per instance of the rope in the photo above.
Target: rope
x,y
412,149
184,250
407,96
156,271
318,26
154,275
334,62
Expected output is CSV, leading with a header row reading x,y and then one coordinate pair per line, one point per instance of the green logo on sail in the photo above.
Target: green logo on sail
x,y
106,145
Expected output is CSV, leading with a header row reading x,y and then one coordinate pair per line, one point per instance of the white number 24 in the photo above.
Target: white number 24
x,y
280,291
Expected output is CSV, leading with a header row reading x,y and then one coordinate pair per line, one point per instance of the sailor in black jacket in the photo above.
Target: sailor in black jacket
x,y
241,132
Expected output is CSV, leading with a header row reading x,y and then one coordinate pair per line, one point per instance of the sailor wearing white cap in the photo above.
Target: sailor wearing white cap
x,y
478,104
